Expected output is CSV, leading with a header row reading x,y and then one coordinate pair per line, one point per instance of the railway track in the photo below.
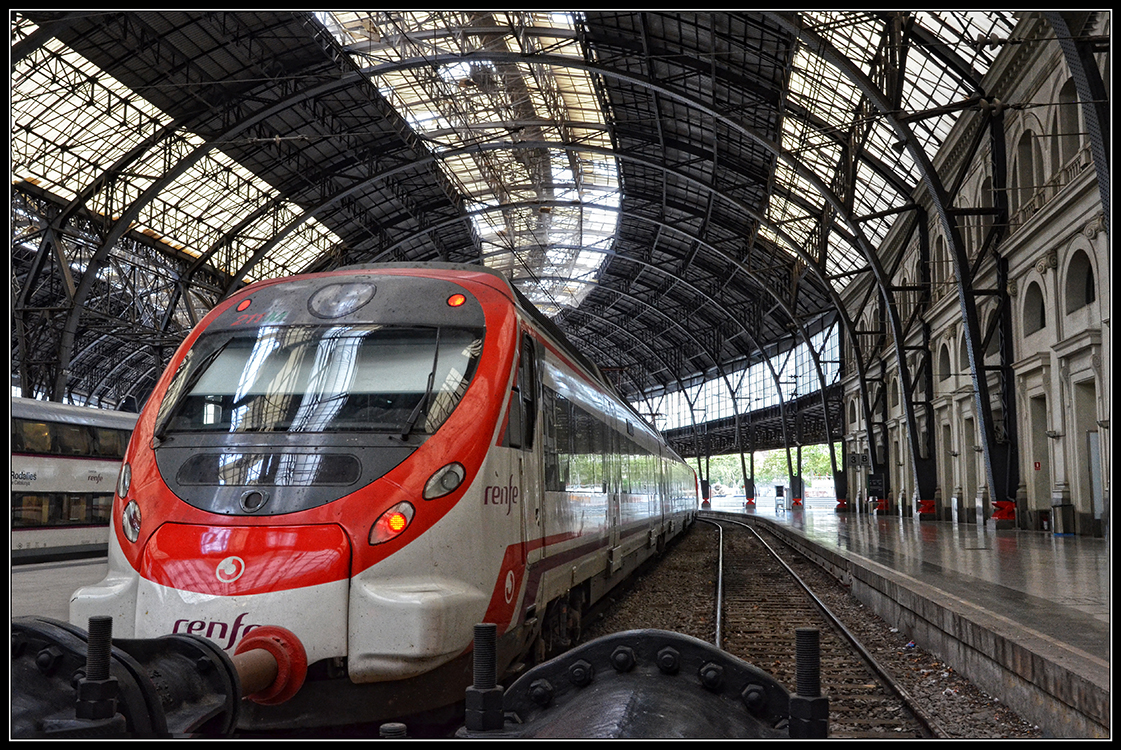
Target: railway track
x,y
764,602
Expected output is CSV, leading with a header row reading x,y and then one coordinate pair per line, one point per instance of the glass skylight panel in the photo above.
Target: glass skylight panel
x,y
72,122
455,103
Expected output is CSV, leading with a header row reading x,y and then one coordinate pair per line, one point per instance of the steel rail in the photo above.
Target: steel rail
x,y
928,722
717,641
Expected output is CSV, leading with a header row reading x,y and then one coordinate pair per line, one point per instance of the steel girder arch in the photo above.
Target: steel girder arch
x,y
790,159
1094,98
181,164
44,294
838,305
719,366
1001,461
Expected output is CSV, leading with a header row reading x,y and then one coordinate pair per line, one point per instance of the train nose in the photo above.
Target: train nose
x,y
224,582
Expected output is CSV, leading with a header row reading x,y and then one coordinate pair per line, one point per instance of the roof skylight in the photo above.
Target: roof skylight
x,y
544,208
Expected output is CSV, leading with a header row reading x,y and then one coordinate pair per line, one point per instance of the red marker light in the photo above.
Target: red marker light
x,y
456,300
397,523
391,523
244,305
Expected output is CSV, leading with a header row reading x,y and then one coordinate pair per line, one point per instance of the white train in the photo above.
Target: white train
x,y
377,459
64,463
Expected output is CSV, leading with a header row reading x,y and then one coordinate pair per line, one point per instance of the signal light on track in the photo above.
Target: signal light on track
x,y
456,300
391,523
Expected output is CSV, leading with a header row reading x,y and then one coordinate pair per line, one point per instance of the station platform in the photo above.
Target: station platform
x,y
1025,615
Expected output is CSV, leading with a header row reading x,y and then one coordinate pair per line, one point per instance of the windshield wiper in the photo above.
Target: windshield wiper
x,y
427,392
202,367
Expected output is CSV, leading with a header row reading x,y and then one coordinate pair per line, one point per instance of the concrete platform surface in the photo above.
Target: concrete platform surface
x,y
1025,615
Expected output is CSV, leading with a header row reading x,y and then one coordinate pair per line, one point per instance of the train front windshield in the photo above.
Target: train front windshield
x,y
340,378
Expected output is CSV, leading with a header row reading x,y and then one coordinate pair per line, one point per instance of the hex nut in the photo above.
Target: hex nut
x,y
712,676
541,692
669,660
622,658
754,698
581,673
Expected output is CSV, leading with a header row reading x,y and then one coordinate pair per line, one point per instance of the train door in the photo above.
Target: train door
x,y
524,409
615,489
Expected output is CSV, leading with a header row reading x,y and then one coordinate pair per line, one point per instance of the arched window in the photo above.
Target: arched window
x,y
894,392
852,414
1023,173
1035,317
944,363
1081,288
1069,129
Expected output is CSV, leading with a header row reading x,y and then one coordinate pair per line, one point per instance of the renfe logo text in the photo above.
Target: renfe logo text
x,y
497,495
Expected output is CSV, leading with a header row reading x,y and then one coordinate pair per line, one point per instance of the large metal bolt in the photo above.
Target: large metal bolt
x,y
541,692
581,673
807,665
712,676
622,658
755,698
99,647
485,658
669,660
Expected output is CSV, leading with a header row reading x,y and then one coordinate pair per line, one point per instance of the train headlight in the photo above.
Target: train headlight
x,y
445,480
124,480
391,523
337,300
130,521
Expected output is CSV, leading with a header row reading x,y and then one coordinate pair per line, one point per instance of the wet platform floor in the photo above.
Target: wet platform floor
x,y
1047,594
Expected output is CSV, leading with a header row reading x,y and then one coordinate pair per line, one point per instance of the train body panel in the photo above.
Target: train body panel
x,y
377,460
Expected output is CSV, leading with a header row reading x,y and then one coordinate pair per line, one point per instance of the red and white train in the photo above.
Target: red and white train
x,y
377,459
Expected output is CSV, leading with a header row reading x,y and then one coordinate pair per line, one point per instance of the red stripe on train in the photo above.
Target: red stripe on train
x,y
239,560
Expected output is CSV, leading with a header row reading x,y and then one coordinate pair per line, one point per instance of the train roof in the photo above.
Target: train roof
x,y
51,411
527,307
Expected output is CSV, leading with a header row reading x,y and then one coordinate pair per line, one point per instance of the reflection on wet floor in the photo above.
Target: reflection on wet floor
x,y
1054,584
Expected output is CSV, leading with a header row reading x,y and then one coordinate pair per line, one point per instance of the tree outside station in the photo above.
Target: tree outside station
x,y
726,472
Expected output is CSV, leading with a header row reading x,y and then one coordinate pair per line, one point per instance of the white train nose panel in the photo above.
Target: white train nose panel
x,y
315,614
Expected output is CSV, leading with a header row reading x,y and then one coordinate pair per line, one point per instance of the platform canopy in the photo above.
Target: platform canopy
x,y
687,194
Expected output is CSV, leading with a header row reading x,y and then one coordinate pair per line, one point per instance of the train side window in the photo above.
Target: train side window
x,y
35,437
527,379
30,510
75,509
101,508
522,417
109,442
73,439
